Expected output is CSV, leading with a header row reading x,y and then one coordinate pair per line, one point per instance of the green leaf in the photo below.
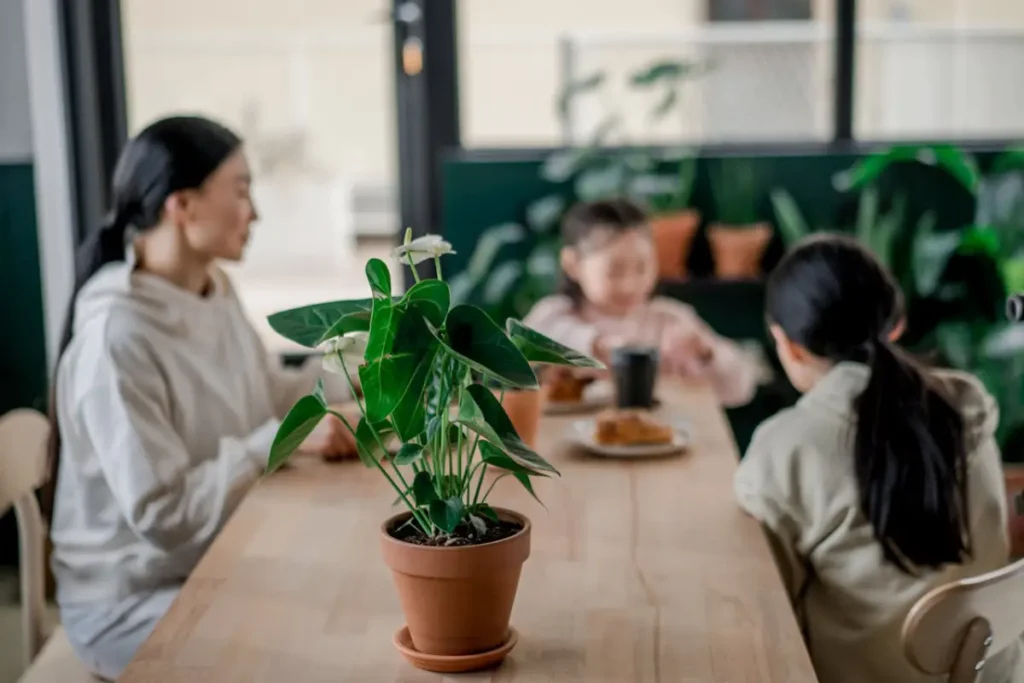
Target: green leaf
x,y
664,106
447,513
379,276
929,256
479,525
524,479
478,342
666,70
537,348
381,381
571,91
495,457
445,375
431,298
501,281
1011,159
408,454
867,216
543,214
309,325
409,412
383,327
790,220
486,511
423,489
298,424
482,413
953,160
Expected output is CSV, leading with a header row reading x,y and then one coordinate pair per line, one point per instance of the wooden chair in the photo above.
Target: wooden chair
x,y
954,629
23,436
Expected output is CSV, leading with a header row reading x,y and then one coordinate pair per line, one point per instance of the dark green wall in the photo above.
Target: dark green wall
x,y
22,343
22,338
483,192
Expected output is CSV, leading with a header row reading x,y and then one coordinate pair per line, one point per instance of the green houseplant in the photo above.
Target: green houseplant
x,y
433,376
738,238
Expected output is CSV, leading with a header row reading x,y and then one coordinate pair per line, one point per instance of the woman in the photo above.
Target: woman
x,y
883,482
165,401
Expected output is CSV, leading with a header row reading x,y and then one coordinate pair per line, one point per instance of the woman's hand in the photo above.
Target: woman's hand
x,y
331,439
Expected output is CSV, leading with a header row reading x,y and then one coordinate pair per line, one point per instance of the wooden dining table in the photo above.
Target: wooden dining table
x,y
640,570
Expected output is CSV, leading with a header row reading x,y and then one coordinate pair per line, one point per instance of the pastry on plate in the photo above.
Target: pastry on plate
x,y
567,388
631,428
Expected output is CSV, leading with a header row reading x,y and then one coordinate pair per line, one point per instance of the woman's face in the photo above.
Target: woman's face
x,y
618,274
220,213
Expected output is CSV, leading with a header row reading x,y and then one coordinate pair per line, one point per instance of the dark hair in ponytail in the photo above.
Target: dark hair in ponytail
x,y
831,296
172,154
584,219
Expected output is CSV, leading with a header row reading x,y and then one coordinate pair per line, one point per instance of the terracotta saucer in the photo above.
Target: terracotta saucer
x,y
453,664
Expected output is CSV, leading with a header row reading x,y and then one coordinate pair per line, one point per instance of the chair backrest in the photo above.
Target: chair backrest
x,y
23,456
953,629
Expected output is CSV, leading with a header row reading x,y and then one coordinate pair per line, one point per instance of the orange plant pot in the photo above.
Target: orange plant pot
x,y
457,600
524,409
1013,475
737,249
673,237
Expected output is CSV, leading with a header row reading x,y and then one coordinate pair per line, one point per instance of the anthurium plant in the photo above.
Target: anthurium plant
x,y
433,378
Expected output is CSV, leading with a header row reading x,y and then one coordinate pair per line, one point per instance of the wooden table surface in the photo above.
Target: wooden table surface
x,y
639,571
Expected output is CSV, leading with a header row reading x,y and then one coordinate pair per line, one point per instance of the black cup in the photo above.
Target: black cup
x,y
636,372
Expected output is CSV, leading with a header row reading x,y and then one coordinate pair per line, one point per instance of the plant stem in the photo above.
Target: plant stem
x,y
424,524
479,483
376,436
437,267
412,266
491,487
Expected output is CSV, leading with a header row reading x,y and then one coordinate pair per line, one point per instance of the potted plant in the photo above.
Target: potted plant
x,y
738,237
427,370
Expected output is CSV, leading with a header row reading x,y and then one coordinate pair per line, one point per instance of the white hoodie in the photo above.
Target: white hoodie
x,y
168,404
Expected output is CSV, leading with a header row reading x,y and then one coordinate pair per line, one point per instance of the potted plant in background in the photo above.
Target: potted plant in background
x,y
738,237
427,370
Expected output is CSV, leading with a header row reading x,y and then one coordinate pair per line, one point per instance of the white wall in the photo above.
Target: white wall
x,y
15,119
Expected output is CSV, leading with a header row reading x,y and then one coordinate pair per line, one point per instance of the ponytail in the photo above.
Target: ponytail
x,y
910,461
170,155
103,246
831,296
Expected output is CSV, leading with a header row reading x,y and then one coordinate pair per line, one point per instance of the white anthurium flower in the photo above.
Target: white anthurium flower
x,y
347,350
422,249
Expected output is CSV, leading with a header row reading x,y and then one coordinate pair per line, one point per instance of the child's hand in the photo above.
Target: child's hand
x,y
330,439
686,353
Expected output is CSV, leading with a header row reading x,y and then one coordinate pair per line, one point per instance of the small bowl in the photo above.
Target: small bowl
x,y
453,664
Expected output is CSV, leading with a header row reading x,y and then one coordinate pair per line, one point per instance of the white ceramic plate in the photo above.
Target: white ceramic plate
x,y
597,395
581,433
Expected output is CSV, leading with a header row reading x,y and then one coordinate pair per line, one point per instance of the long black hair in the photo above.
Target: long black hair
x,y
171,155
831,296
584,219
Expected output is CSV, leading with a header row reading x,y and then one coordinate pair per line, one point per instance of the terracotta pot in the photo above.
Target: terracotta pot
x,y
524,408
673,236
457,600
1014,477
737,249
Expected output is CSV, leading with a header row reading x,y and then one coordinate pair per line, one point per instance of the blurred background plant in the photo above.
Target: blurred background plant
x,y
660,179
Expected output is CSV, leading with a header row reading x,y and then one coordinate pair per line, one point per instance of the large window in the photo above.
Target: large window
x,y
939,69
762,71
309,85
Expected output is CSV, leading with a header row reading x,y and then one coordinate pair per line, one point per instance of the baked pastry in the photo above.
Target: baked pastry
x,y
631,428
567,388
